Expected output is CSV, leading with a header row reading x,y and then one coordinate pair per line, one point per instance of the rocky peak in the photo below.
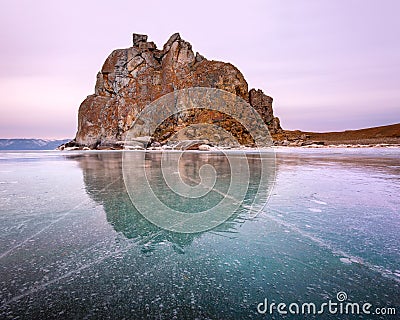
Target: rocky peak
x,y
262,103
132,78
171,40
138,38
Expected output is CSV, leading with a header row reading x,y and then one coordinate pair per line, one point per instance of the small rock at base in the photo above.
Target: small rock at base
x,y
204,147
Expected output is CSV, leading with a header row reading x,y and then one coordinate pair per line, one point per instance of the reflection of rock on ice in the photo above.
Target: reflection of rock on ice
x,y
210,187
103,178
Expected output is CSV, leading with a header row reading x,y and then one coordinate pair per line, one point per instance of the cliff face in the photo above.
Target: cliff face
x,y
132,78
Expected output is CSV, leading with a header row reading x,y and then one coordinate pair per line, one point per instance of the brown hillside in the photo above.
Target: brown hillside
x,y
385,134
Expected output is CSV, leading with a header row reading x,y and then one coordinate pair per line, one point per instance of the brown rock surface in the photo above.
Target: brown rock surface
x,y
132,78
263,105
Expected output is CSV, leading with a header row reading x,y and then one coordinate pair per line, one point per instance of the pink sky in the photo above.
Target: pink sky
x,y
329,65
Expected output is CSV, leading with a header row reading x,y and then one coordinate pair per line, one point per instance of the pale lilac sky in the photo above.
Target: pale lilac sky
x,y
329,65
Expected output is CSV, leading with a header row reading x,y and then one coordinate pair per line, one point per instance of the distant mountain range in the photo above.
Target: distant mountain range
x,y
30,144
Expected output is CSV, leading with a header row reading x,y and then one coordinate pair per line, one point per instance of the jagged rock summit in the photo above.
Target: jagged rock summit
x,y
132,78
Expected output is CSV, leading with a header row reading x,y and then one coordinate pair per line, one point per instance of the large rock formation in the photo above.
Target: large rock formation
x,y
132,78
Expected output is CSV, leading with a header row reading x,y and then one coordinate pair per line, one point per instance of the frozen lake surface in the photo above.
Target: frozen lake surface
x,y
72,245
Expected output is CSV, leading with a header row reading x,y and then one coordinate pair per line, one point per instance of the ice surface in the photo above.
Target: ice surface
x,y
73,246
